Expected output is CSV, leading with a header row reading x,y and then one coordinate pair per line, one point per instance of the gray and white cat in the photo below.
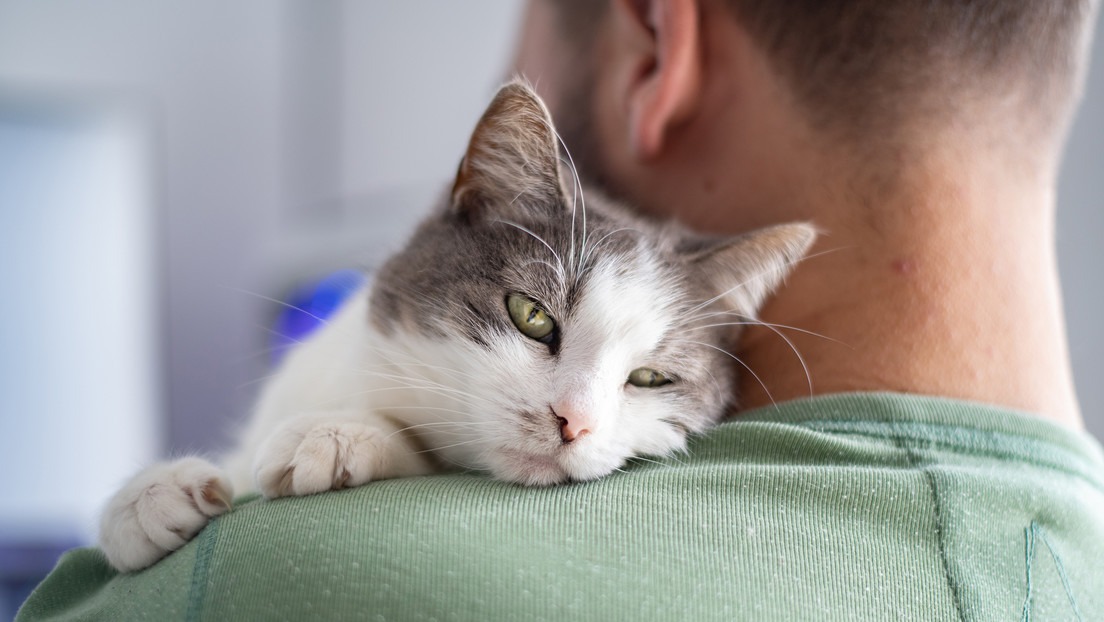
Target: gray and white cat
x,y
518,333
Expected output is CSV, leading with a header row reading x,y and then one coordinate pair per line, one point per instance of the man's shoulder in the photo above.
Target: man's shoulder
x,y
822,510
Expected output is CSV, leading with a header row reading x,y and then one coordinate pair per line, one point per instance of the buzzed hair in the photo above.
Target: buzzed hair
x,y
877,62
881,60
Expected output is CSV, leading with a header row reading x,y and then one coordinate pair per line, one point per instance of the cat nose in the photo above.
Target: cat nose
x,y
573,423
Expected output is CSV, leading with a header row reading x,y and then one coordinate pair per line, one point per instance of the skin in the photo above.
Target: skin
x,y
936,270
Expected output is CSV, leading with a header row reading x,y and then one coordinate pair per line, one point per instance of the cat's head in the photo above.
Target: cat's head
x,y
548,335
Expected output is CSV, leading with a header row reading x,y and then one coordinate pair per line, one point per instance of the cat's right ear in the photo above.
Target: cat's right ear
x,y
744,270
511,166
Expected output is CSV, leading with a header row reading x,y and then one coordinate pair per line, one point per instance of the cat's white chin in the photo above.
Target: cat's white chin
x,y
531,469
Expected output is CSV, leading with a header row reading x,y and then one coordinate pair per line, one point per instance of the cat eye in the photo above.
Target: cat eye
x,y
530,319
647,378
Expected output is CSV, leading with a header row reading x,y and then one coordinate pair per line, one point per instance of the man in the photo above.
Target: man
x,y
923,139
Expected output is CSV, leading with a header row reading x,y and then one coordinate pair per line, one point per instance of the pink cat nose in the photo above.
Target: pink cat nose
x,y
573,423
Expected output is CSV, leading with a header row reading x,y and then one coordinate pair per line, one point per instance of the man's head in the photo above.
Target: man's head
x,y
677,102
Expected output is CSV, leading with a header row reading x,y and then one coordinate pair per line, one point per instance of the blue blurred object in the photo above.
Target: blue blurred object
x,y
24,563
310,306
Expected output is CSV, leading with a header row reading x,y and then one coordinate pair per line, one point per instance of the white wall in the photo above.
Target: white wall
x,y
289,138
79,381
1081,244
210,74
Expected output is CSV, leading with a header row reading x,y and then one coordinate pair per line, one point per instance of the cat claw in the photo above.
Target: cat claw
x,y
217,495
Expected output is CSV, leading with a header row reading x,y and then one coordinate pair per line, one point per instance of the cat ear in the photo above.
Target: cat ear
x,y
512,162
746,269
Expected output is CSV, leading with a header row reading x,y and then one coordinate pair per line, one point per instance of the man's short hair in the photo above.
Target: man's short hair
x,y
876,62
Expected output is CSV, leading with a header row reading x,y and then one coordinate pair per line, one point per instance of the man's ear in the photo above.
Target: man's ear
x,y
667,73
512,161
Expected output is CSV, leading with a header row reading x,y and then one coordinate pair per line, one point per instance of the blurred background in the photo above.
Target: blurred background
x,y
169,169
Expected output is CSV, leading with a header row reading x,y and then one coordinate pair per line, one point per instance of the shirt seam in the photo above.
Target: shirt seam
x,y
937,509
197,592
900,439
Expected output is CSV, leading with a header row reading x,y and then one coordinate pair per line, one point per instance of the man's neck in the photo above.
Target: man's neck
x,y
946,285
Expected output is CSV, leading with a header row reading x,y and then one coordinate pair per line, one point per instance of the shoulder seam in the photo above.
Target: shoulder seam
x,y
197,591
896,433
937,509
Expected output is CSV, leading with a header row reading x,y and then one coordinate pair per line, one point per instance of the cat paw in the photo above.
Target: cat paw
x,y
160,510
314,454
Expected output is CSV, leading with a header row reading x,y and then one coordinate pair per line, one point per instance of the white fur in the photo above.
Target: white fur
x,y
351,405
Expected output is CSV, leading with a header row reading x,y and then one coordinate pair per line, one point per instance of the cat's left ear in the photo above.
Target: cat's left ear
x,y
512,162
746,269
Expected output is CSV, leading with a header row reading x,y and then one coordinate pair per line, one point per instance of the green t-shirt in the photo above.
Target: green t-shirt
x,y
845,507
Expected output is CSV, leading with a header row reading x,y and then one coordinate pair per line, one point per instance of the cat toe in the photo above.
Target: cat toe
x,y
321,457
160,510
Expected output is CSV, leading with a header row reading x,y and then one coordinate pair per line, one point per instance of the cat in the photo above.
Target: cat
x,y
526,330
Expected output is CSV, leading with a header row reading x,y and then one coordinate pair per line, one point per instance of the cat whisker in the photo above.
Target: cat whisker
x,y
580,197
444,422
279,302
434,387
405,364
751,321
276,333
451,372
420,407
742,364
406,382
538,261
594,247
652,461
339,399
789,343
412,362
438,449
758,276
800,359
249,383
574,203
270,349
462,425
679,457
475,465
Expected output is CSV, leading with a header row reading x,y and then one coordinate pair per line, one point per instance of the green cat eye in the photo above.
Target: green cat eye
x,y
647,378
530,319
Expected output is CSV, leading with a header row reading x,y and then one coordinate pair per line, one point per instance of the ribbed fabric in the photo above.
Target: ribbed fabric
x,y
848,507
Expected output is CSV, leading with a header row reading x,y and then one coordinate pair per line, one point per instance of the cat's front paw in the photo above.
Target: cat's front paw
x,y
161,509
315,454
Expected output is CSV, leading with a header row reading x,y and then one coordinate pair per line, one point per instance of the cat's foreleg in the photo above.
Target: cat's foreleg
x,y
161,509
319,452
